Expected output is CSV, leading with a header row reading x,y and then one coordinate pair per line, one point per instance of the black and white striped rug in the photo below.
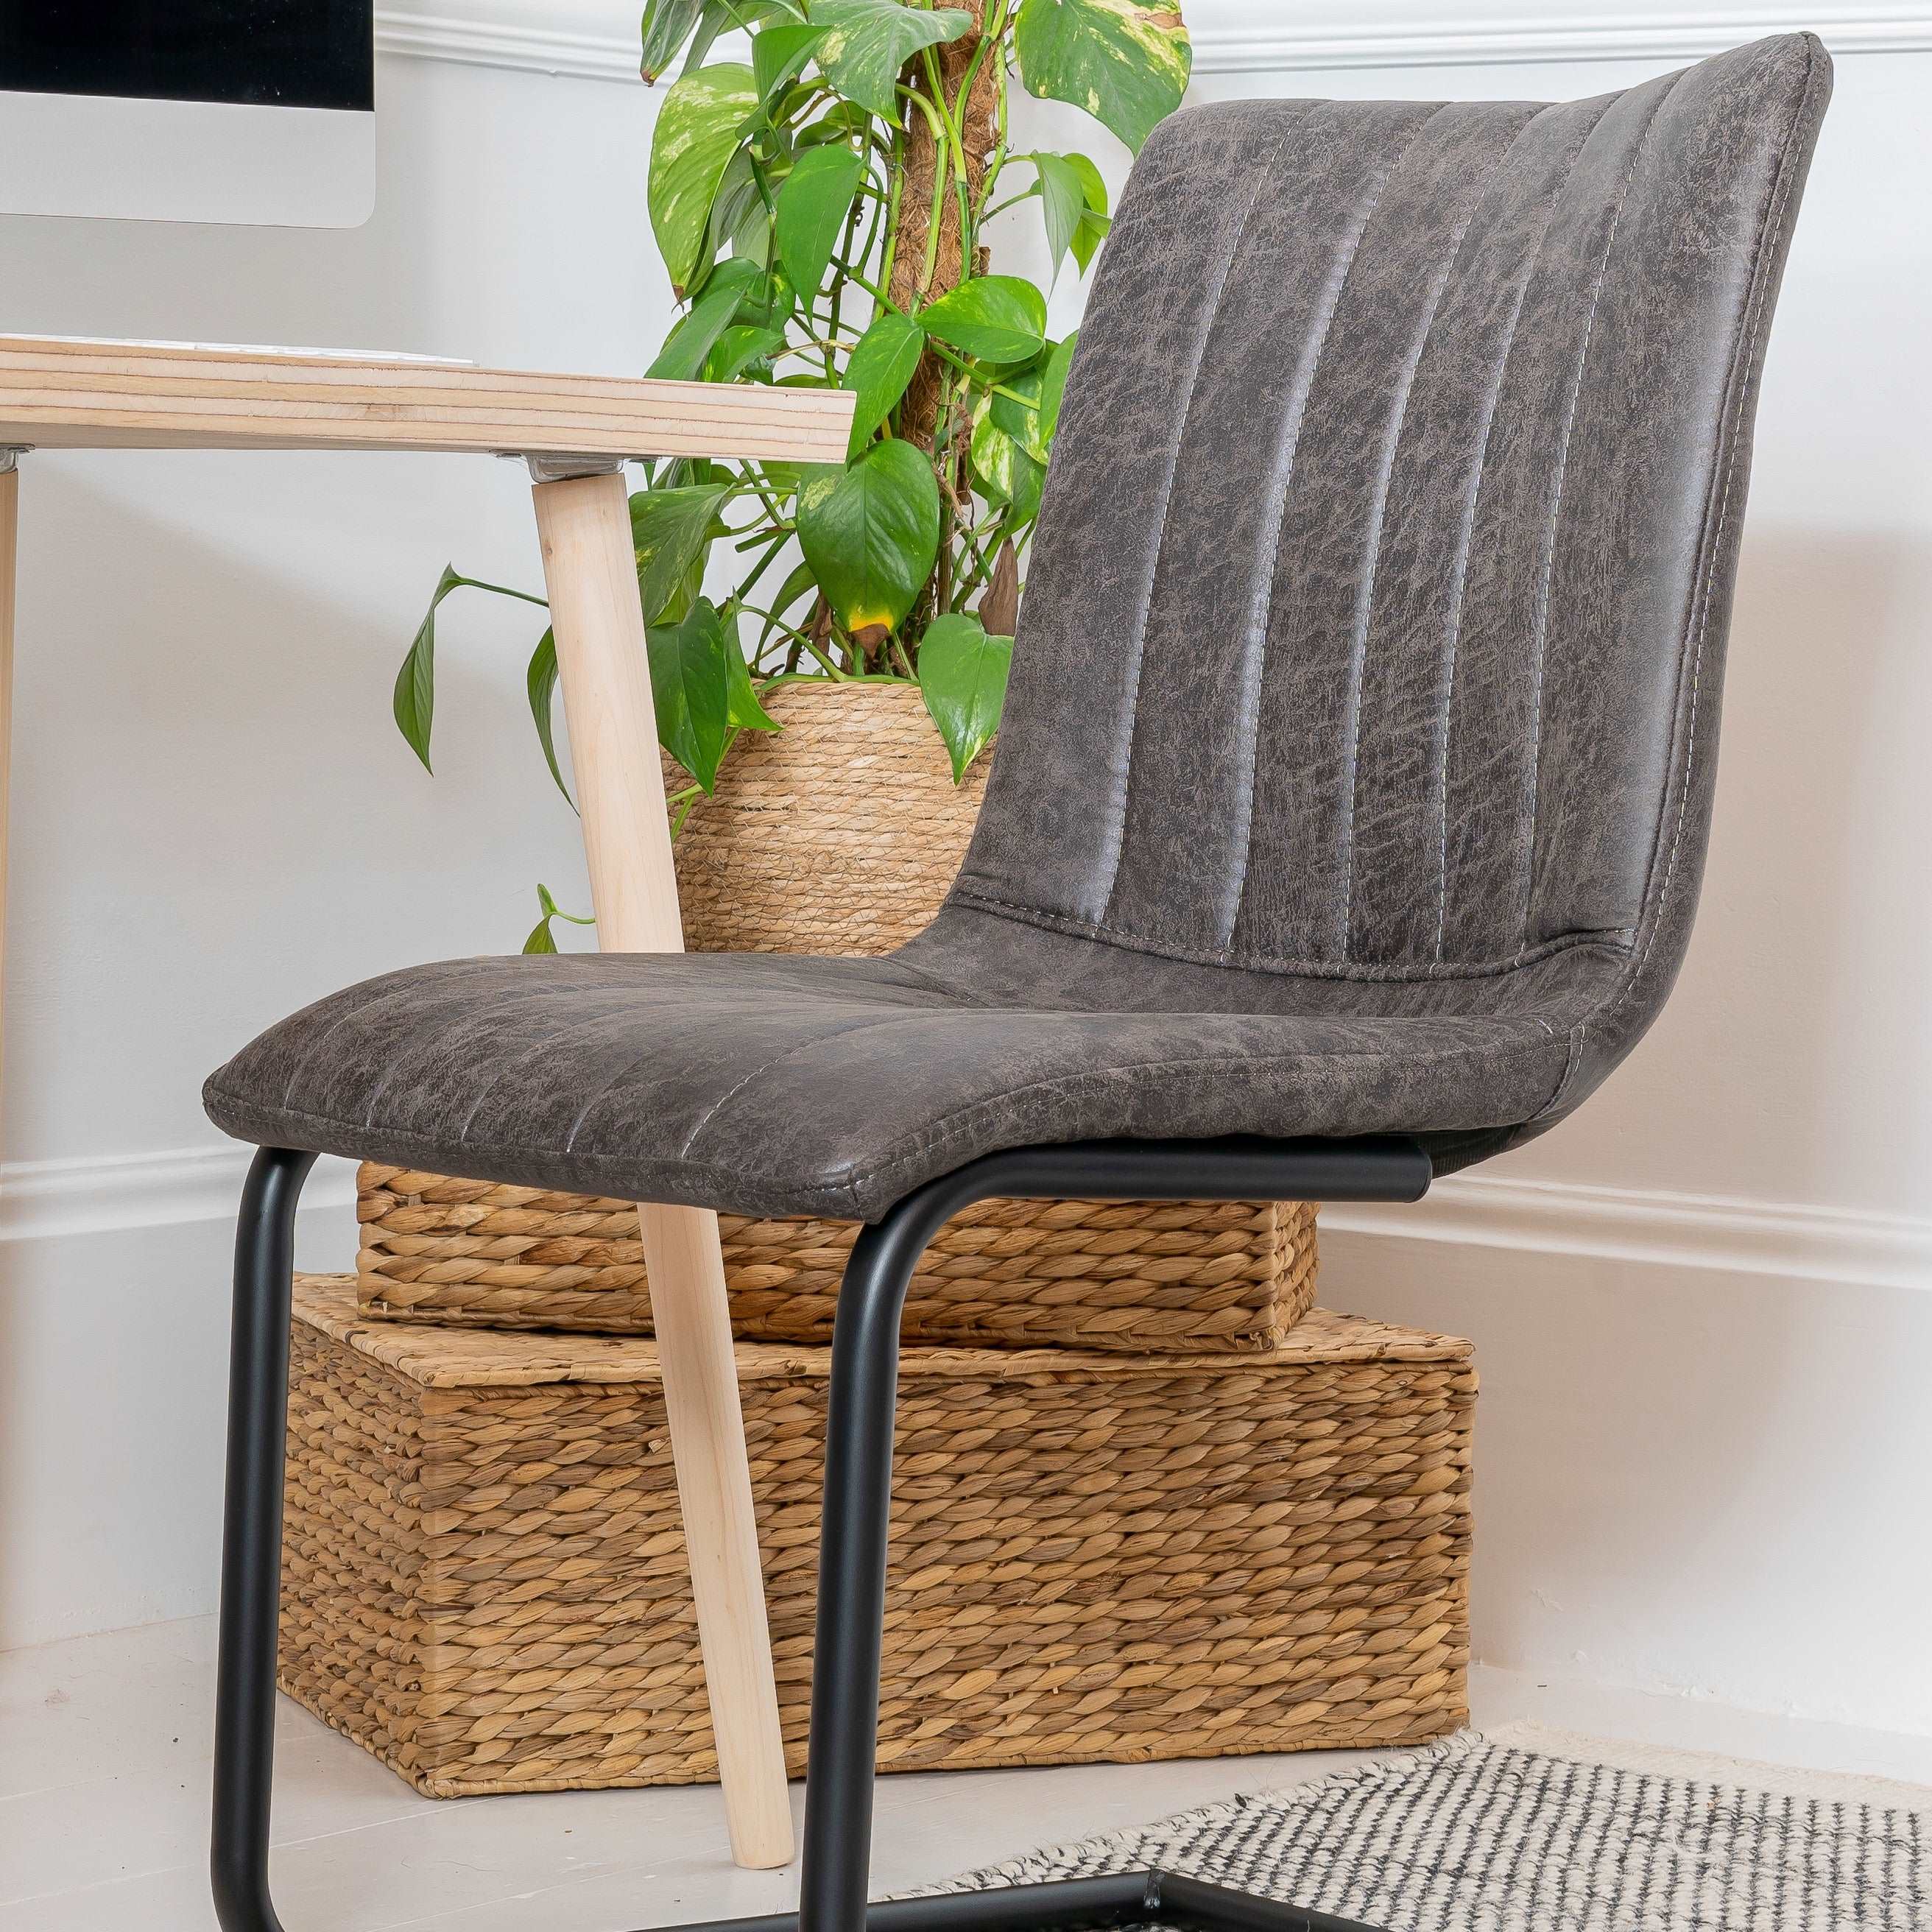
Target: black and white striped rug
x,y
1529,1830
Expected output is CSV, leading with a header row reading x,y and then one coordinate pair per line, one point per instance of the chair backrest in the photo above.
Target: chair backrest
x,y
1374,623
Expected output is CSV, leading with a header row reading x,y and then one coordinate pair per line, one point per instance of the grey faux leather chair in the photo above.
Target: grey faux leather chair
x,y
1346,826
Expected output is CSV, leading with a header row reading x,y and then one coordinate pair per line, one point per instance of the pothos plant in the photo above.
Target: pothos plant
x,y
822,210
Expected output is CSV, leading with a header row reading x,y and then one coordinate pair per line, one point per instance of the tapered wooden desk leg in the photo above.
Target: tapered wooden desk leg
x,y
591,571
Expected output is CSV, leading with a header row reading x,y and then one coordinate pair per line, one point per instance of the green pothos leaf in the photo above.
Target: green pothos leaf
x,y
540,681
1014,407
738,212
996,318
1094,220
1125,61
962,676
992,452
742,709
871,40
721,16
779,55
670,531
666,26
413,703
690,341
768,300
1053,387
696,133
691,688
881,364
1062,196
871,533
541,940
812,207
738,349
1029,485
843,121
1005,468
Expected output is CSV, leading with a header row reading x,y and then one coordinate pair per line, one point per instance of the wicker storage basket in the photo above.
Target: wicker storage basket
x,y
1216,1274
1096,1558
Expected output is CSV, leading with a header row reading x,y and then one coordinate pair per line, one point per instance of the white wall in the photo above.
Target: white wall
x,y
1702,1306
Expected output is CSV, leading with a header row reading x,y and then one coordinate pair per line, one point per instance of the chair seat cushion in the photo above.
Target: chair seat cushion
x,y
766,1084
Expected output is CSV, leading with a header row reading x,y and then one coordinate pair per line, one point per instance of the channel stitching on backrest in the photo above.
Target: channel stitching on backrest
x,y
1355,633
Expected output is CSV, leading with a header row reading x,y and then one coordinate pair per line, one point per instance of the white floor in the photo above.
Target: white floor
x,y
104,1790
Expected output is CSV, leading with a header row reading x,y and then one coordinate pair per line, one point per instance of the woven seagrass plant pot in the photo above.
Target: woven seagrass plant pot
x,y
840,834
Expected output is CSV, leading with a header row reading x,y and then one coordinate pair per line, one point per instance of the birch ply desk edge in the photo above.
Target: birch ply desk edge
x,y
575,432
57,395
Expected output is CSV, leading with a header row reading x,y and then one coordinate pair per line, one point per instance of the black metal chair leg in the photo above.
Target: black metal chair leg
x,y
251,1540
842,1756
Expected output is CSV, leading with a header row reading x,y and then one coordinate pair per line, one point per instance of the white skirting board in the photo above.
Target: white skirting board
x,y
51,1200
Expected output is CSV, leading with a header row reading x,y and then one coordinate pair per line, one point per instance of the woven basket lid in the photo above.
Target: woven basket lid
x,y
438,1357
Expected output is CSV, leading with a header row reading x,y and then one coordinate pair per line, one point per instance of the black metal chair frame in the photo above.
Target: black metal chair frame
x,y
851,1618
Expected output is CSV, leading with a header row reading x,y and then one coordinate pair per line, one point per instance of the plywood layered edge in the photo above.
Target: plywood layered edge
x,y
55,394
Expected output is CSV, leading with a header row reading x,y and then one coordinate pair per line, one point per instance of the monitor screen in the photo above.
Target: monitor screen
x,y
199,110
282,53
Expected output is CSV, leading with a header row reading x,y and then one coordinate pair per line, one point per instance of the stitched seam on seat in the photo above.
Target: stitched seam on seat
x,y
1617,938
1541,631
778,1060
1281,481
1358,649
636,1059
1466,536
1117,834
376,993
1771,234
624,1000
535,994
627,996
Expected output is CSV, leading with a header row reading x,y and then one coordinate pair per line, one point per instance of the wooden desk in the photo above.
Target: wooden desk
x,y
575,431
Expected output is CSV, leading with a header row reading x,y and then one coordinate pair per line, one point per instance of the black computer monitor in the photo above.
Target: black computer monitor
x,y
196,110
